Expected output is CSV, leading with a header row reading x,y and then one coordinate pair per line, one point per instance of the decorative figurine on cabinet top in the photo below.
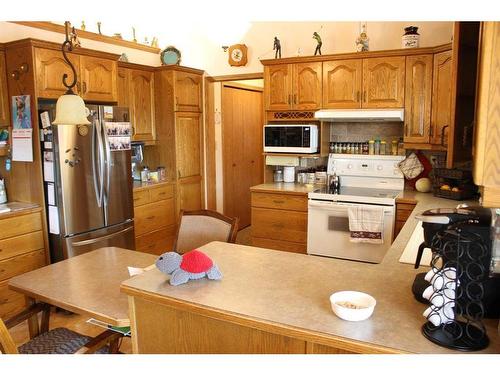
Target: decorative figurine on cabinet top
x,y
192,265
318,46
277,47
362,40
170,56
411,37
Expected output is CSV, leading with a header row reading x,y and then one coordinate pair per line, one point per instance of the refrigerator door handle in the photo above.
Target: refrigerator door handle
x,y
107,162
100,163
94,240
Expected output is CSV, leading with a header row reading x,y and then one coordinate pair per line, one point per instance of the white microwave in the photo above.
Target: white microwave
x,y
291,138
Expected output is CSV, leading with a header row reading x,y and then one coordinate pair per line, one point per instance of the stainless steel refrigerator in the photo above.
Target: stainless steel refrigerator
x,y
90,196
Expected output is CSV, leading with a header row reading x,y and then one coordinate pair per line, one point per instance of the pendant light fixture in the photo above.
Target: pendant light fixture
x,y
70,108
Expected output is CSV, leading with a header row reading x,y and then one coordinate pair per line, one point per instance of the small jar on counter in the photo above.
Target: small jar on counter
x,y
377,147
394,147
371,147
365,148
383,147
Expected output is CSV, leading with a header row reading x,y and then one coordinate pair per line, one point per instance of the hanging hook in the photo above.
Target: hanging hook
x,y
68,45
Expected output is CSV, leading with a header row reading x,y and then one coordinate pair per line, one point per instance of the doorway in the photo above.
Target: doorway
x,y
242,122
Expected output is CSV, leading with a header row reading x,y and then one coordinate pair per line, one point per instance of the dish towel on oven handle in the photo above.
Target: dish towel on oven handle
x,y
366,224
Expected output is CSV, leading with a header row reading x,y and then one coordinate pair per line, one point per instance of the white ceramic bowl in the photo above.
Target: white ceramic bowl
x,y
364,301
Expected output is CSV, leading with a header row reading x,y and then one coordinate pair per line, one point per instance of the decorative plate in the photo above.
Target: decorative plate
x,y
170,56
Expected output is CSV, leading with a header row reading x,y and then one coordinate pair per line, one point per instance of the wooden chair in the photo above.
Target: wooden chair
x,y
56,341
197,228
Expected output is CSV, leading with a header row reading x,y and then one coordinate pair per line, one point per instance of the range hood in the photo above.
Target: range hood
x,y
360,115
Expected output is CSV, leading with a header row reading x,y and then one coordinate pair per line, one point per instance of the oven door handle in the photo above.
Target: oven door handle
x,y
335,206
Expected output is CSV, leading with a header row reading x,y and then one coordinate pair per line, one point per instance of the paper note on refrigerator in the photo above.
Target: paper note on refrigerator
x,y
44,117
53,220
51,194
22,145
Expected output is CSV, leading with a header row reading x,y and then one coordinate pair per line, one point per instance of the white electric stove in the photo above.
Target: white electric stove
x,y
373,180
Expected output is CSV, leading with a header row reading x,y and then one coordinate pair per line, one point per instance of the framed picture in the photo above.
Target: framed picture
x,y
21,112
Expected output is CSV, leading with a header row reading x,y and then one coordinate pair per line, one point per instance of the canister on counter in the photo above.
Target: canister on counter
x,y
162,173
371,147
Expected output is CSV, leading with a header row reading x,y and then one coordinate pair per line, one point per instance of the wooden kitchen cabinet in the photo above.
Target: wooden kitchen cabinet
x,y
403,212
4,94
97,77
384,82
187,92
418,98
487,131
441,98
293,86
342,83
22,249
136,91
279,221
154,215
50,67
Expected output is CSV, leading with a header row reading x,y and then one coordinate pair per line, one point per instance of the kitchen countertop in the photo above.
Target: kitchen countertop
x,y
284,187
18,208
139,185
289,295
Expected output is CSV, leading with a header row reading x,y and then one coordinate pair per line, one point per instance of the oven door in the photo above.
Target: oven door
x,y
328,233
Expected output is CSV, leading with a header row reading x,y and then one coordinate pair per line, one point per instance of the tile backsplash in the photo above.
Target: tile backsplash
x,y
364,131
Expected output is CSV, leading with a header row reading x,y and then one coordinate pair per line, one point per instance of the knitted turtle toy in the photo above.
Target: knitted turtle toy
x,y
192,265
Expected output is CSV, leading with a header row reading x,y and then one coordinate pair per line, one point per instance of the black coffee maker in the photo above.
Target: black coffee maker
x,y
460,239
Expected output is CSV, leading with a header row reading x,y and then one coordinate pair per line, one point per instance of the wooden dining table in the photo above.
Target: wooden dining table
x,y
88,284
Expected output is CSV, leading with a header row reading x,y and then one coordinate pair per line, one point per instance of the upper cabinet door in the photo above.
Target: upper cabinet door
x,y
4,94
307,86
98,79
50,67
189,144
122,88
188,88
418,92
441,98
278,87
342,84
384,82
142,103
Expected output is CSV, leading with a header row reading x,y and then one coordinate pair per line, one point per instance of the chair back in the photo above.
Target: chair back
x,y
7,345
197,228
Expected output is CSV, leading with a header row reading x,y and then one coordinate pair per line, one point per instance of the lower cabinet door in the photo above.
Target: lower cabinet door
x,y
279,225
156,242
153,216
11,302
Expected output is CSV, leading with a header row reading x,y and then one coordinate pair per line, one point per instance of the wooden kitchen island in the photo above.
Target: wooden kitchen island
x,y
277,302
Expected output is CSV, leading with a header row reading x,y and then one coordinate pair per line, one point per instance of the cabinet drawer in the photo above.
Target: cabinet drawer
x,y
293,247
157,242
279,225
14,226
161,192
280,201
153,216
403,215
13,246
11,302
141,197
23,263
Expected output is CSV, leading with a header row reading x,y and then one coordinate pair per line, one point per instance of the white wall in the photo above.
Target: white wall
x,y
201,46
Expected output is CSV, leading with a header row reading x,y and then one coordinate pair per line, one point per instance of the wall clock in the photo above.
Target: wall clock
x,y
170,56
238,55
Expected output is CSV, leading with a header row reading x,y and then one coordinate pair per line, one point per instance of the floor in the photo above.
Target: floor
x,y
79,323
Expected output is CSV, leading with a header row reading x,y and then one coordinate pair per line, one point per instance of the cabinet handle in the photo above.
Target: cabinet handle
x,y
294,98
442,135
278,201
84,87
357,96
289,99
78,87
150,218
364,96
178,174
176,101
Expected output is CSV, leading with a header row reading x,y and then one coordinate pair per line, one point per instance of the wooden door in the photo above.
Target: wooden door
x,y
142,102
50,67
188,89
98,78
441,98
418,93
307,86
278,87
384,82
242,120
342,83
4,94
189,160
122,88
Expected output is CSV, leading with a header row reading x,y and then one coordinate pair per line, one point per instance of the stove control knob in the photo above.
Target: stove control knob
x,y
379,167
349,166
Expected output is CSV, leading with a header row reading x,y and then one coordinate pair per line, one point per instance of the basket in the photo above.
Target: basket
x,y
454,178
